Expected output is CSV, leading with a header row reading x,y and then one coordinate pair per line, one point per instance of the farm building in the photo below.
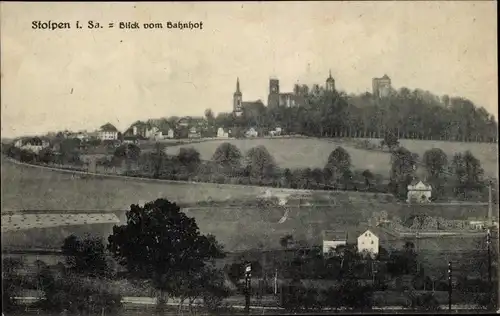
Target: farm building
x,y
419,192
333,239
368,242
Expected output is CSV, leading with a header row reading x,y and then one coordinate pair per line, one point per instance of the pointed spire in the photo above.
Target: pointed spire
x,y
237,84
330,72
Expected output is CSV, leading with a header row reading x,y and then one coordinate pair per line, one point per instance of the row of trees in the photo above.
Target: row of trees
x,y
462,177
408,114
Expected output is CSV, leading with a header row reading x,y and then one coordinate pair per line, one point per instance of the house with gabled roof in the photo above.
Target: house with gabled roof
x,y
107,132
419,192
368,243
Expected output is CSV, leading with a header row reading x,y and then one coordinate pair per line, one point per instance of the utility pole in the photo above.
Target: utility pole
x,y
488,242
248,276
449,286
490,204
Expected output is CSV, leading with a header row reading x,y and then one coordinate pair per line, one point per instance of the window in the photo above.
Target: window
x,y
372,242
366,235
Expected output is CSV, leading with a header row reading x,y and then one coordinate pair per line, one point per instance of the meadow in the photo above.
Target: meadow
x,y
313,152
235,214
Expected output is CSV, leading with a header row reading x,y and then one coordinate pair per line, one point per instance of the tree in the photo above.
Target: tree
x,y
64,292
46,155
339,162
402,170
160,243
468,174
128,152
209,115
317,176
436,163
12,283
368,175
227,155
86,256
390,140
286,240
260,164
190,158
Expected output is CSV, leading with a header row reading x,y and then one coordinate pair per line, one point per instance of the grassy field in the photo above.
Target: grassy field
x,y
240,223
309,152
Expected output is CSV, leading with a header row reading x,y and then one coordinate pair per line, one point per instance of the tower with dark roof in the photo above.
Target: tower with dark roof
x,y
330,83
237,99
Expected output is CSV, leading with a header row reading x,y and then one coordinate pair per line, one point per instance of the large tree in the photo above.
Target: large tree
x,y
161,244
86,256
436,164
260,164
468,174
338,166
227,155
403,167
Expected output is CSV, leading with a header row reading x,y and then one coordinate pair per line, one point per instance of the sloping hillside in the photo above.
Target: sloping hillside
x,y
312,152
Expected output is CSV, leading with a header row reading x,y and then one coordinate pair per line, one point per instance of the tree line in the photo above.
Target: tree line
x,y
460,178
411,114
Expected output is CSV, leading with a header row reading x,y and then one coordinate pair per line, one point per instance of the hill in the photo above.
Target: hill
x,y
313,152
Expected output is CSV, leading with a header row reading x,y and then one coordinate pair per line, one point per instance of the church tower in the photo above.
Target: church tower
x,y
273,99
330,83
237,99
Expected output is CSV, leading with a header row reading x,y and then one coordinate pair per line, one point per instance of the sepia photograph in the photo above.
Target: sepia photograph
x,y
249,158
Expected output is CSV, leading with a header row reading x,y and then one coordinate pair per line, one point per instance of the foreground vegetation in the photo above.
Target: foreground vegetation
x,y
169,256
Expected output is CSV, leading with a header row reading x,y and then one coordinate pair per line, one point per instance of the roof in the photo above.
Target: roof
x,y
334,235
385,77
108,127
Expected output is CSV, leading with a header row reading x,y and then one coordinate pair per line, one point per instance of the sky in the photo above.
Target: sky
x,y
83,78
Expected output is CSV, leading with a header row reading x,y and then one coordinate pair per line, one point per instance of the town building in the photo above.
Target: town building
x,y
419,192
251,132
239,104
295,98
237,100
381,86
33,144
107,132
194,133
368,243
330,83
221,133
333,239
169,133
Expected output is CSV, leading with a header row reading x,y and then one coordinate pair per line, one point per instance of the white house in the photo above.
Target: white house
x,y
170,133
277,132
107,132
368,242
221,133
333,239
34,144
251,132
419,192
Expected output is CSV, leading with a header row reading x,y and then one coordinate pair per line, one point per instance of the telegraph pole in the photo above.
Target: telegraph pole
x,y
449,286
488,242
248,275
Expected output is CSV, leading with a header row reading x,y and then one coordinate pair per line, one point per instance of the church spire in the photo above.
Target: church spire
x,y
238,85
330,72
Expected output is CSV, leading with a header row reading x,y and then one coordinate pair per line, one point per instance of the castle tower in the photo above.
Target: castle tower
x,y
237,99
330,83
381,86
274,93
